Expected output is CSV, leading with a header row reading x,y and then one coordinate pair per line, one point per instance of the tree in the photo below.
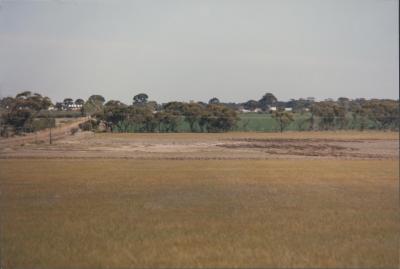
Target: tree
x,y
59,106
167,121
251,105
267,100
117,110
21,110
96,99
360,117
177,108
68,101
172,116
24,95
344,102
384,113
152,105
204,119
284,118
340,113
114,104
329,114
219,118
6,102
46,102
192,113
35,102
94,104
142,118
140,98
325,113
213,101
79,102
115,115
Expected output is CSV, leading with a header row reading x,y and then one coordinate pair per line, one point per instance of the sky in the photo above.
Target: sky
x,y
198,49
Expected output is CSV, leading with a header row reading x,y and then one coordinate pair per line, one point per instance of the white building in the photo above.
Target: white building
x,y
74,107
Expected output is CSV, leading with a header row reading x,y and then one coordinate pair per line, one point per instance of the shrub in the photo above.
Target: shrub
x,y
88,125
74,130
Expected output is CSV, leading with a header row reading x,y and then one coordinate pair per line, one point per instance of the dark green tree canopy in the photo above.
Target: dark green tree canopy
x,y
251,105
79,101
24,95
219,118
114,104
177,108
68,101
214,101
267,100
22,109
96,99
94,104
140,98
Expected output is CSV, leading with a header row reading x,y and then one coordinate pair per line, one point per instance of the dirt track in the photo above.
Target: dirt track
x,y
43,136
205,146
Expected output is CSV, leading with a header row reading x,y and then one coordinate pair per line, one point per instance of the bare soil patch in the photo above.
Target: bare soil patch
x,y
312,145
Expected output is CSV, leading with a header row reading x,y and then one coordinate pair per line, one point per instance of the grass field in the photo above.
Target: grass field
x,y
336,135
263,122
229,213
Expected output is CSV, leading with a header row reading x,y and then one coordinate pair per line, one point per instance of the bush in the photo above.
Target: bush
x,y
74,130
59,114
88,125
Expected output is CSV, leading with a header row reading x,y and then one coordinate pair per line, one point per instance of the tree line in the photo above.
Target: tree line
x,y
29,112
144,116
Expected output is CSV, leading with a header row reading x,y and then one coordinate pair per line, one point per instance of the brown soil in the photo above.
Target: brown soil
x,y
196,146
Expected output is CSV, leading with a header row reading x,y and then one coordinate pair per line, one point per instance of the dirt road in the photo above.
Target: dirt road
x,y
43,136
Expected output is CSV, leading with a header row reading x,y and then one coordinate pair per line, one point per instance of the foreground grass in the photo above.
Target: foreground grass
x,y
276,213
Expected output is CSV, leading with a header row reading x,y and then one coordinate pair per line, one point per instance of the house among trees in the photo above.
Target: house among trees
x,y
74,107
68,105
272,108
241,109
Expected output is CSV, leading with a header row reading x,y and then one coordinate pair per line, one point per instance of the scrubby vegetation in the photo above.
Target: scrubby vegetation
x,y
29,112
20,114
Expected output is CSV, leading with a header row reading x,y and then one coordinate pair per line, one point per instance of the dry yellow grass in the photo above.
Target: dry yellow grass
x,y
137,213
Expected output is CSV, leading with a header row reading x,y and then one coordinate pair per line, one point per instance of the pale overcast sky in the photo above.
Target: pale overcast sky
x,y
197,49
